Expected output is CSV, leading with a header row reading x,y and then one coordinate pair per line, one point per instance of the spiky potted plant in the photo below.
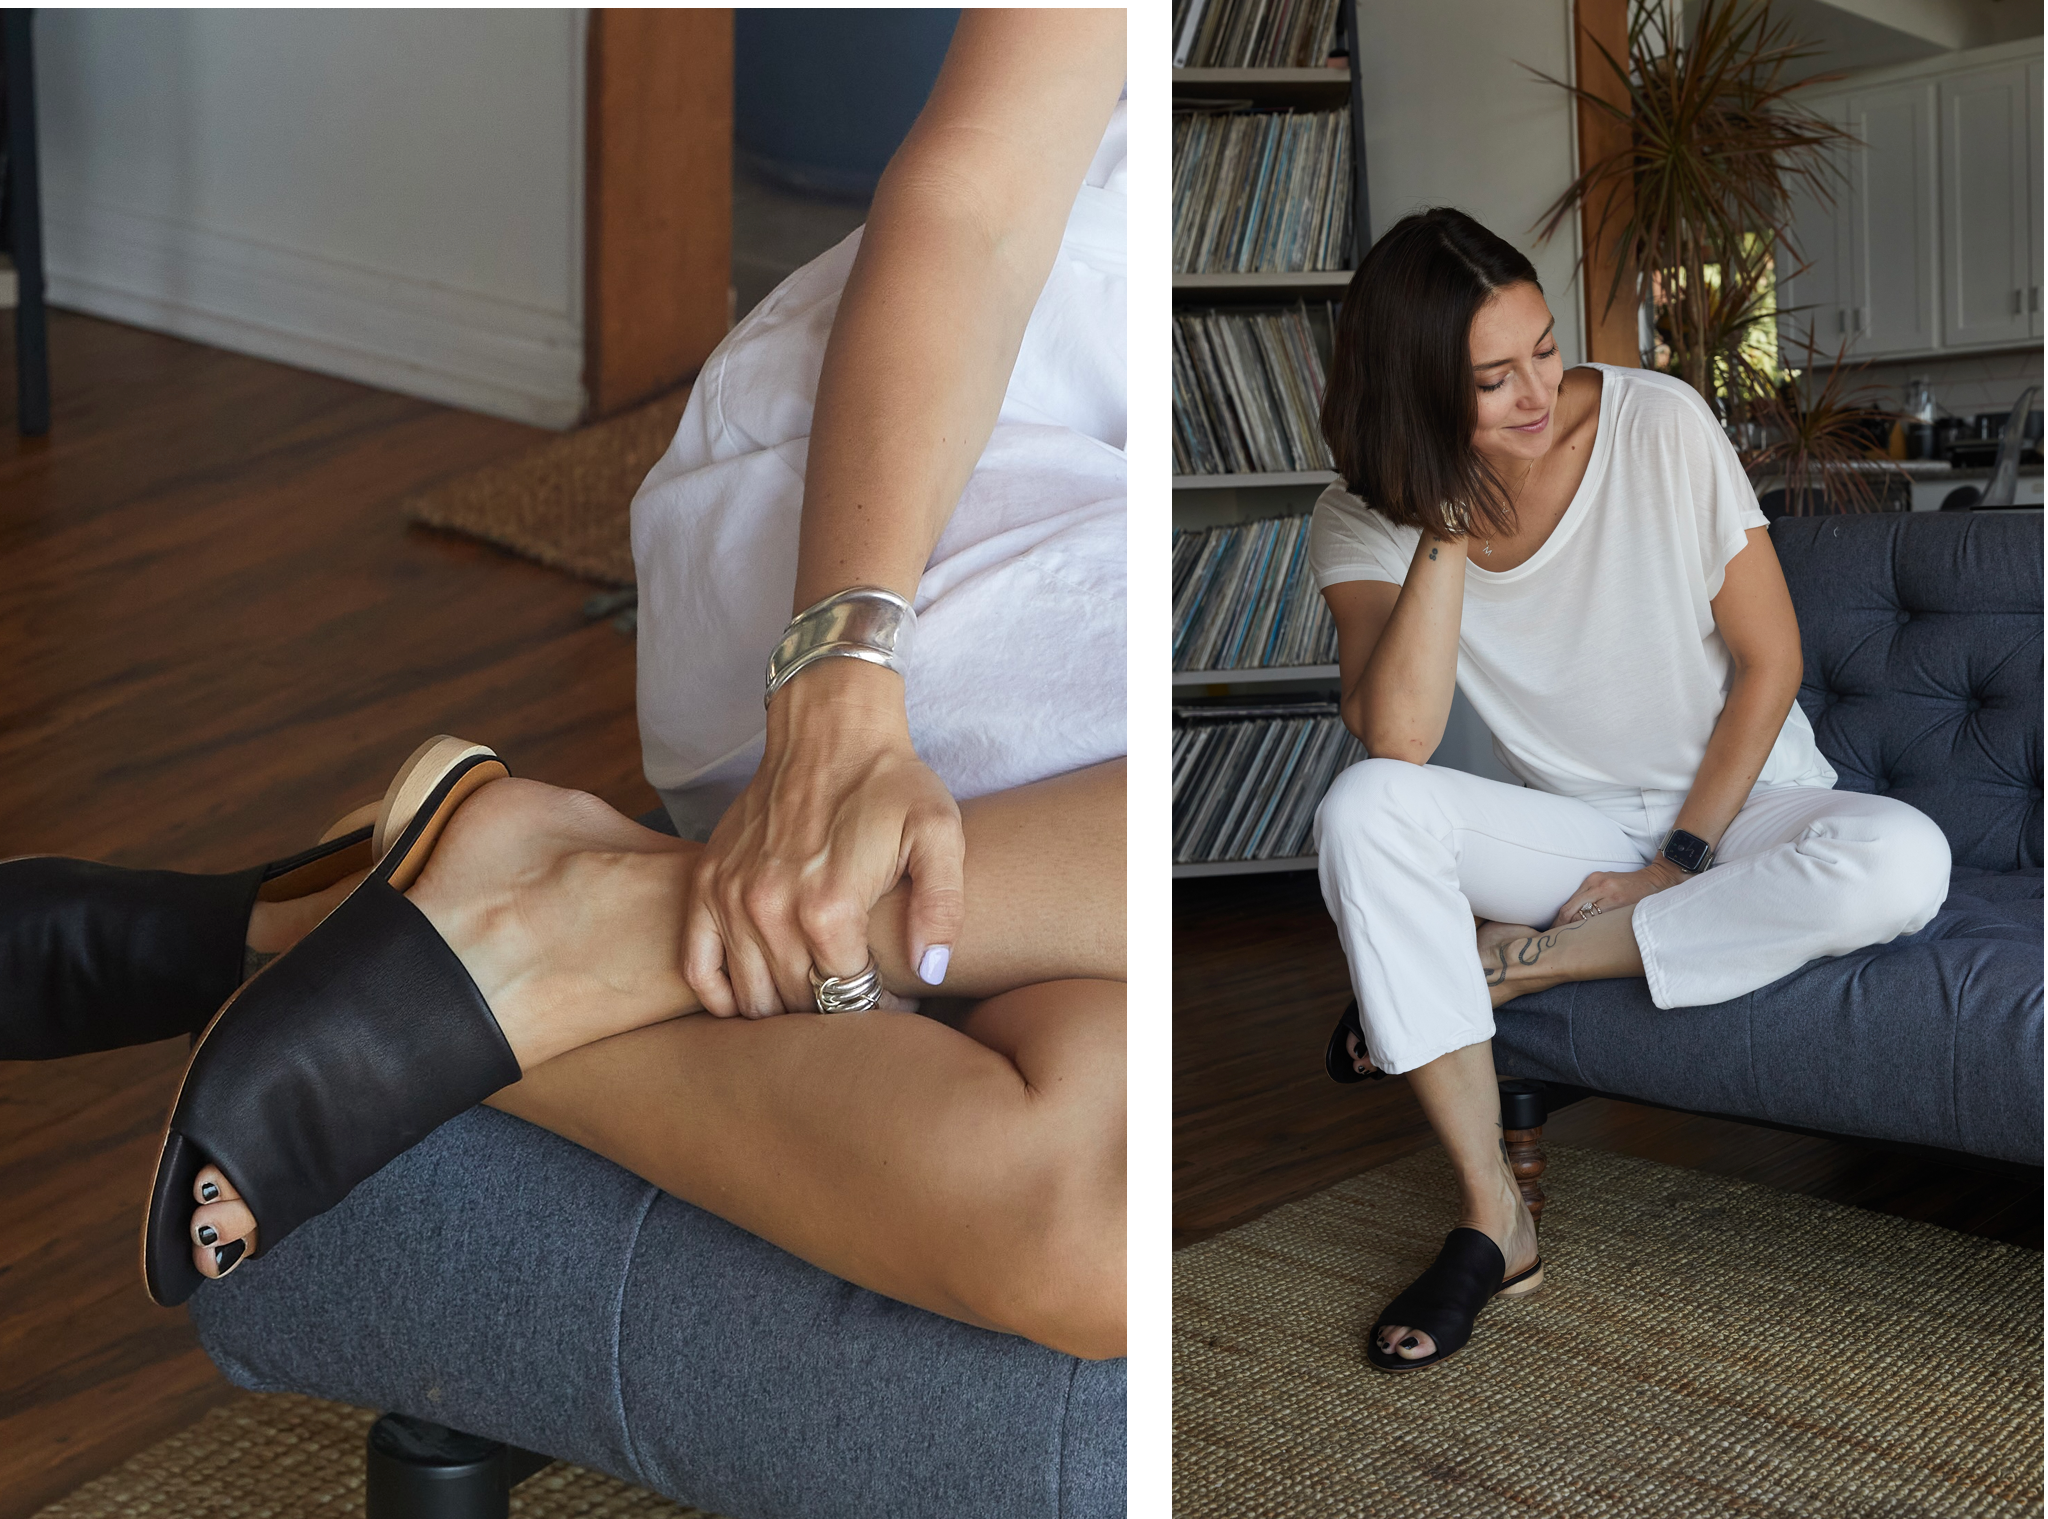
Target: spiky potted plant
x,y
1700,202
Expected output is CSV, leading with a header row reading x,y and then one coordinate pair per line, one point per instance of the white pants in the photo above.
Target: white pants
x,y
1411,853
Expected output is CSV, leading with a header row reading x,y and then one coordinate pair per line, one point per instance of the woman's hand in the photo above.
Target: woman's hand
x,y
1610,890
839,811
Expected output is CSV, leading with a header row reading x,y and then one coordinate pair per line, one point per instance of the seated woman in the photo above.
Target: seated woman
x,y
942,810
1580,553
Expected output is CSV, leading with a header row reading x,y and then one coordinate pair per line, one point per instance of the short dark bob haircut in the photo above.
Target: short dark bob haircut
x,y
1402,404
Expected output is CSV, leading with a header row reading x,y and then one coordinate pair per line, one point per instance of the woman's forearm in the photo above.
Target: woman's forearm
x,y
963,232
1759,696
1401,701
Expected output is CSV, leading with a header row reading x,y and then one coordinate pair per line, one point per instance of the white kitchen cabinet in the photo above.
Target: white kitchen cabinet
x,y
2034,145
1815,300
1891,212
1987,196
1932,242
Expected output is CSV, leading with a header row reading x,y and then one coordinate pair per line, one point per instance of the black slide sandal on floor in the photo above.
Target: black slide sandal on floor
x,y
339,1055
1337,1060
1444,1301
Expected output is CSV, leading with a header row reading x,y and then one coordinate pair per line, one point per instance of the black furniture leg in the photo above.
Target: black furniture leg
x,y
421,1470
1523,1110
25,219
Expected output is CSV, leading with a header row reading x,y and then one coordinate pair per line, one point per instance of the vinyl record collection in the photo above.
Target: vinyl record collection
x,y
1261,191
1253,34
1242,599
1247,390
1247,780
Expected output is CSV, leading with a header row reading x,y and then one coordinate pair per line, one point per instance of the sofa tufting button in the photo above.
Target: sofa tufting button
x,y
1972,705
1903,618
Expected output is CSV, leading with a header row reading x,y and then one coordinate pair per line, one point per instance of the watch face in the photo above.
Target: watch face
x,y
1685,850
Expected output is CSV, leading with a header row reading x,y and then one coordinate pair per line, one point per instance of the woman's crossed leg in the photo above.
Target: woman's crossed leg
x,y
972,1165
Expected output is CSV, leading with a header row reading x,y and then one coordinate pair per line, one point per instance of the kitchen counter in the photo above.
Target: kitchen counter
x,y
1933,480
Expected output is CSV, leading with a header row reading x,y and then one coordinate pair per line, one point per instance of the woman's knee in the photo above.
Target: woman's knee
x,y
1067,1284
1368,796
1902,867
1056,1273
1916,857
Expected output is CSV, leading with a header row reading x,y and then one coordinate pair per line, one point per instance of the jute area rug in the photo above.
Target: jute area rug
x,y
277,1456
567,503
1702,1348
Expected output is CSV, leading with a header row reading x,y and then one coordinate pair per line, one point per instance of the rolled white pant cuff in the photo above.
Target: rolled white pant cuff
x,y
1413,1061
1653,964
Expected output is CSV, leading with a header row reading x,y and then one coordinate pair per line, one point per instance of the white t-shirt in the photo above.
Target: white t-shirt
x,y
1596,663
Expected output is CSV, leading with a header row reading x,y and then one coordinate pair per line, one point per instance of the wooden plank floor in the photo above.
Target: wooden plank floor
x,y
215,634
1259,980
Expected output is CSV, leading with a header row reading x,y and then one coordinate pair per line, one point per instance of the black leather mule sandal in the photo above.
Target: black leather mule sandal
x,y
1447,1297
1337,1060
95,957
343,1052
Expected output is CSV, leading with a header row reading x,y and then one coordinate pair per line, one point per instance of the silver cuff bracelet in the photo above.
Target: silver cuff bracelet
x,y
864,622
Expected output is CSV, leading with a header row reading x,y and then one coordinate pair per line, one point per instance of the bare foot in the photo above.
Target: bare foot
x,y
567,915
1505,1220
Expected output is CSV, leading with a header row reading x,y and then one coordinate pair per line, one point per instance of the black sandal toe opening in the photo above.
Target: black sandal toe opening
x,y
1338,1060
1444,1301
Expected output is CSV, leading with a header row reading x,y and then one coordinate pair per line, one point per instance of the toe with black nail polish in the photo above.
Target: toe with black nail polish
x,y
226,1255
209,1192
1410,1343
208,1234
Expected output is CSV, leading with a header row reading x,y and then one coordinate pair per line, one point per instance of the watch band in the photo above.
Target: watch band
x,y
1688,851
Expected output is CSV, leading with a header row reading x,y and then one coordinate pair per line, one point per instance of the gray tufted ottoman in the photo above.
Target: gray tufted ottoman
x,y
1922,638
501,1280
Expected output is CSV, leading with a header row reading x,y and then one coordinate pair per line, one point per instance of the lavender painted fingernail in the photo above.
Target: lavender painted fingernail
x,y
931,970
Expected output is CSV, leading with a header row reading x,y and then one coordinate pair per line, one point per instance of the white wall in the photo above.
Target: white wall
x,y
391,196
1452,119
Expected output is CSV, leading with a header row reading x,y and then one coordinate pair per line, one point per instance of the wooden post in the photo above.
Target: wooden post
x,y
25,216
1611,333
1526,1159
657,231
1523,1109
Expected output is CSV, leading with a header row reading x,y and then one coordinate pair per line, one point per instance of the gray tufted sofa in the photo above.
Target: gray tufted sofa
x,y
1922,639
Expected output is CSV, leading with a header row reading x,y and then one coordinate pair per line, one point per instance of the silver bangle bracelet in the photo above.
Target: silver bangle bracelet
x,y
863,622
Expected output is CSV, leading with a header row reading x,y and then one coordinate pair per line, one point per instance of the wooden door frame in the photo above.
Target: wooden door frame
x,y
657,227
1611,332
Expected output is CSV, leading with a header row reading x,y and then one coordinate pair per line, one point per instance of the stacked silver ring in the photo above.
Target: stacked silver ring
x,y
858,993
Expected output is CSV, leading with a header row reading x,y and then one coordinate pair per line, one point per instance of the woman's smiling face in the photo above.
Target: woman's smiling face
x,y
1517,370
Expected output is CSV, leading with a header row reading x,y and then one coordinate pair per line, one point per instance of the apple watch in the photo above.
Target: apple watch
x,y
1688,851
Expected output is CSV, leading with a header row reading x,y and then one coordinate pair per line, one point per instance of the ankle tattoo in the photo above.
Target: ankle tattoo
x,y
1521,952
